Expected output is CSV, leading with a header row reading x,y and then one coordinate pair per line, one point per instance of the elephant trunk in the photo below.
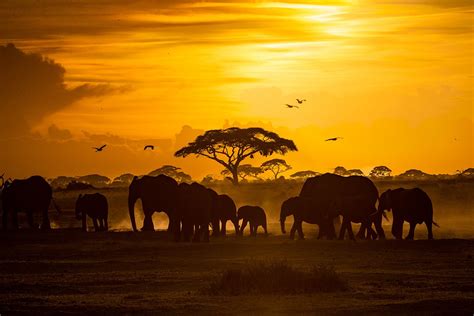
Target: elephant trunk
x,y
284,213
131,211
282,224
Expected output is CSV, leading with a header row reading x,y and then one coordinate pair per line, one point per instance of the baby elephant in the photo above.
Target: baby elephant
x,y
253,214
95,205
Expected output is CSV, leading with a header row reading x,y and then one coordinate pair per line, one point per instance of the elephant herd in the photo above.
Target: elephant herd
x,y
193,208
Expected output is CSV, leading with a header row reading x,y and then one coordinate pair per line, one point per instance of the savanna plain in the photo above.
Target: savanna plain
x,y
69,271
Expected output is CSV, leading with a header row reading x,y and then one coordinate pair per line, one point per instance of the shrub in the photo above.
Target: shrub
x,y
276,277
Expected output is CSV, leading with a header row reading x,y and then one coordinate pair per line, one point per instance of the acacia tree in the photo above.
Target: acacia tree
x,y
275,166
355,172
231,146
380,172
341,171
244,171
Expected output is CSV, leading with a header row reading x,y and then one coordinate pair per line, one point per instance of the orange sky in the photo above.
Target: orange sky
x,y
393,77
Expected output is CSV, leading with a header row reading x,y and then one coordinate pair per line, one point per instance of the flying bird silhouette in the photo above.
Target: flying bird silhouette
x,y
333,139
300,101
149,147
290,106
97,149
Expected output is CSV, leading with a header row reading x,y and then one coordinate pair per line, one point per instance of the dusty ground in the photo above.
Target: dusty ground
x,y
68,271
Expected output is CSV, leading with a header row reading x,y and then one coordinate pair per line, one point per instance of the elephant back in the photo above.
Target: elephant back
x,y
33,190
322,186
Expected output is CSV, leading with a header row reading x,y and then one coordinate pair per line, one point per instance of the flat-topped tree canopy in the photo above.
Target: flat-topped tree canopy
x,y
231,146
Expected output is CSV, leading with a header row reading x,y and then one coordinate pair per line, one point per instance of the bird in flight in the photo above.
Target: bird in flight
x,y
97,149
333,139
290,106
300,101
149,147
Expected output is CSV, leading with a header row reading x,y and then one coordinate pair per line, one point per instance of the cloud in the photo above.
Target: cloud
x,y
32,86
57,133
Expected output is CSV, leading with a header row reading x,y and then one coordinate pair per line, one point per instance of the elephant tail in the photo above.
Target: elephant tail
x,y
436,224
56,206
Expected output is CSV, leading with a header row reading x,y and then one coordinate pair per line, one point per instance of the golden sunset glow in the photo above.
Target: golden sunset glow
x,y
394,78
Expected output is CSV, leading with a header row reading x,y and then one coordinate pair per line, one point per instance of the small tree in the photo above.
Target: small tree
x,y
414,174
380,172
355,172
244,171
96,180
304,174
61,181
173,172
275,166
231,146
341,171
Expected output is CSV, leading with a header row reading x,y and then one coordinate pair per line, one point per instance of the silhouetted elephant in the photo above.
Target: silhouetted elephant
x,y
193,212
255,215
158,194
31,195
303,210
96,207
337,192
411,205
226,211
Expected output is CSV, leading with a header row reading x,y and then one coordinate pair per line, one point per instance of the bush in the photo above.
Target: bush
x,y
276,277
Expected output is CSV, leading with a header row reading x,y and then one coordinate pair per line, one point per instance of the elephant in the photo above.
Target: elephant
x,y
96,207
193,213
303,210
31,195
411,205
226,211
158,194
255,215
353,197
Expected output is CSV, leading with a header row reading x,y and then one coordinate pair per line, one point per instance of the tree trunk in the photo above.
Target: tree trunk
x,y
235,176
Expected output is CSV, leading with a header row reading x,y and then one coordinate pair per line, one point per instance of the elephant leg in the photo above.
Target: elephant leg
x,y
96,225
300,230
293,230
265,228
378,226
205,232
429,226
148,221
31,221
343,229
101,224
224,227
45,225
349,230
197,232
252,229
187,230
244,223
411,233
236,226
371,234
329,229
361,234
397,228
321,232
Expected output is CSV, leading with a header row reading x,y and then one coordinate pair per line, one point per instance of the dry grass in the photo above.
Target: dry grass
x,y
277,277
